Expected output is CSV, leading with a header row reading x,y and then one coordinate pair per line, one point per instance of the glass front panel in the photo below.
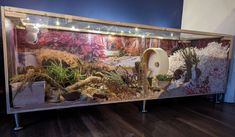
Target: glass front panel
x,y
65,61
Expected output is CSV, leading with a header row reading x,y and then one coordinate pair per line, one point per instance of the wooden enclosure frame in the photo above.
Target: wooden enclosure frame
x,y
13,11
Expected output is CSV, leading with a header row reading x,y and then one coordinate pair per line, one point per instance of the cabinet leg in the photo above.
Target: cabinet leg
x,y
17,124
218,98
144,106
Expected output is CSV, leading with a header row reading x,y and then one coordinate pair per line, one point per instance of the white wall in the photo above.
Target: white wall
x,y
209,15
213,16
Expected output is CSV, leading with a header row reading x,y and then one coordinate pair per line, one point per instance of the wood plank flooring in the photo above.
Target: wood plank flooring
x,y
191,117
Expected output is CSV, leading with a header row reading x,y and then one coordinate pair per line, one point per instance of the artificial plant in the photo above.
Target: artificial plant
x,y
61,73
190,58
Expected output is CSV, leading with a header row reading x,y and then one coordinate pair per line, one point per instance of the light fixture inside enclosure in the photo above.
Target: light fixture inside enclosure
x,y
37,25
57,23
73,28
136,29
148,34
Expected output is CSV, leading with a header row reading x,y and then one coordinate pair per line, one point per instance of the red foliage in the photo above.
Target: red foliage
x,y
202,43
86,46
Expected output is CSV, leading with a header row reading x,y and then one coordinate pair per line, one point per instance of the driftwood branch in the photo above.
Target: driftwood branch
x,y
91,79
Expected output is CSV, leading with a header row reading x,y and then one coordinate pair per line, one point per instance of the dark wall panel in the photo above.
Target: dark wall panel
x,y
165,13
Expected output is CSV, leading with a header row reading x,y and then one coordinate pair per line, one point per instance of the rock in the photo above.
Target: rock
x,y
101,96
138,95
83,98
72,96
86,98
53,95
175,84
53,99
62,98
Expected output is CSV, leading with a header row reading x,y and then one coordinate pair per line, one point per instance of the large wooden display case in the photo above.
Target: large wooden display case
x,y
57,61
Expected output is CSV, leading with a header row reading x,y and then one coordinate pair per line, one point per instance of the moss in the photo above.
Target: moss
x,y
162,77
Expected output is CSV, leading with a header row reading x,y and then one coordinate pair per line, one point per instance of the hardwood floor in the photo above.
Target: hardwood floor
x,y
190,117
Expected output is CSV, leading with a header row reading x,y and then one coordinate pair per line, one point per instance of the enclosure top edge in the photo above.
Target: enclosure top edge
x,y
124,24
